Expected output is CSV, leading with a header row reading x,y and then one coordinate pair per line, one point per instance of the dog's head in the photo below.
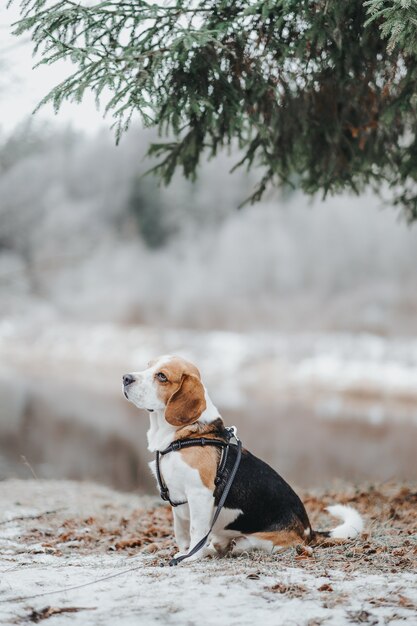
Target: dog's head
x,y
169,384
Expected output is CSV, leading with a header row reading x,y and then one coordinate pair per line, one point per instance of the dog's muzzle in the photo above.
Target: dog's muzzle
x,y
128,379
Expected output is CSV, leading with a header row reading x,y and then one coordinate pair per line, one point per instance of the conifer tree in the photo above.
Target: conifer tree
x,y
316,93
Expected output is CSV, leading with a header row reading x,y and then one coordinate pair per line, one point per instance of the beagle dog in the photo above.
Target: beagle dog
x,y
261,510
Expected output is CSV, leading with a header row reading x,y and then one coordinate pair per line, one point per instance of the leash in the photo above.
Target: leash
x,y
202,441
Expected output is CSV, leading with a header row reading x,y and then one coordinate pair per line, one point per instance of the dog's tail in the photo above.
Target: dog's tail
x,y
351,527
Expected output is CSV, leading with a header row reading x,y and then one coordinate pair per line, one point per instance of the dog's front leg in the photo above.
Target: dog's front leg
x,y
182,528
201,505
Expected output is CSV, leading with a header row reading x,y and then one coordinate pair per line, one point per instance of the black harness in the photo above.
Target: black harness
x,y
179,444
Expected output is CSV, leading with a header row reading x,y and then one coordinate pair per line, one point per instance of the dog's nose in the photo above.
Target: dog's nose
x,y
128,379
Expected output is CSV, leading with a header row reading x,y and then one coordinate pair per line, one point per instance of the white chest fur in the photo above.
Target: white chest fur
x,y
179,477
160,433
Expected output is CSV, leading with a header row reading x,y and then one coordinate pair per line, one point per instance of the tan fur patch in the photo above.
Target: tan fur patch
x,y
199,430
174,370
182,393
281,537
205,461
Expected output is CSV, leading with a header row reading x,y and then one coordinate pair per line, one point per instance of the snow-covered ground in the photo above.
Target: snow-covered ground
x,y
131,590
215,593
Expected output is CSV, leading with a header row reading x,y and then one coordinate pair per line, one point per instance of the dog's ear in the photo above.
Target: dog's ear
x,y
187,404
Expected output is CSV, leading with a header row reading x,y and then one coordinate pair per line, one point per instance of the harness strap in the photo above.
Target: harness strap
x,y
222,465
163,489
222,500
178,444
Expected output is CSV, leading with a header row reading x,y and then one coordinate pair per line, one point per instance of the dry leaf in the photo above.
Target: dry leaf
x,y
325,587
49,611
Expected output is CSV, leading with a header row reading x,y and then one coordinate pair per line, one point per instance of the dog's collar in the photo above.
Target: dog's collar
x,y
178,444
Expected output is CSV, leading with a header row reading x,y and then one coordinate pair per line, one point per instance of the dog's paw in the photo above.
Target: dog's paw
x,y
178,554
195,557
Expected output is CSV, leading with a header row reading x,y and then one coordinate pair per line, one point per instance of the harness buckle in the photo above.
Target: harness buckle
x,y
232,433
164,493
176,445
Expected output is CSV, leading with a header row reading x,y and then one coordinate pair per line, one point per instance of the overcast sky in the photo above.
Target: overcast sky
x,y
21,87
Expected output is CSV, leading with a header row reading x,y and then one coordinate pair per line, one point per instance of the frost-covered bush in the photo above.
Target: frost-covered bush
x,y
83,234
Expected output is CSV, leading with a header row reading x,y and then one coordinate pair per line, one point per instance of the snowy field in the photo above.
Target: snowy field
x,y
86,555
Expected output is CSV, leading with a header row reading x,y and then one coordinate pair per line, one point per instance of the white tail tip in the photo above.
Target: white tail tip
x,y
352,522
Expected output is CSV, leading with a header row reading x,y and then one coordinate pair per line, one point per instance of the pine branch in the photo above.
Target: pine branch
x,y
321,92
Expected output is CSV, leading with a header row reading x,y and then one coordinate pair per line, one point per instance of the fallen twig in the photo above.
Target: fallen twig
x,y
49,611
28,465
38,516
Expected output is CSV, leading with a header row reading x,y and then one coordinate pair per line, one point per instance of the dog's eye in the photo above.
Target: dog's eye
x,y
161,377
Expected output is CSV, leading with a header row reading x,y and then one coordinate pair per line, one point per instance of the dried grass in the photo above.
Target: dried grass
x,y
388,545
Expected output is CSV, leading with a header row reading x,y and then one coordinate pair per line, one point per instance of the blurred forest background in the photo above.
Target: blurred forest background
x,y
301,314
